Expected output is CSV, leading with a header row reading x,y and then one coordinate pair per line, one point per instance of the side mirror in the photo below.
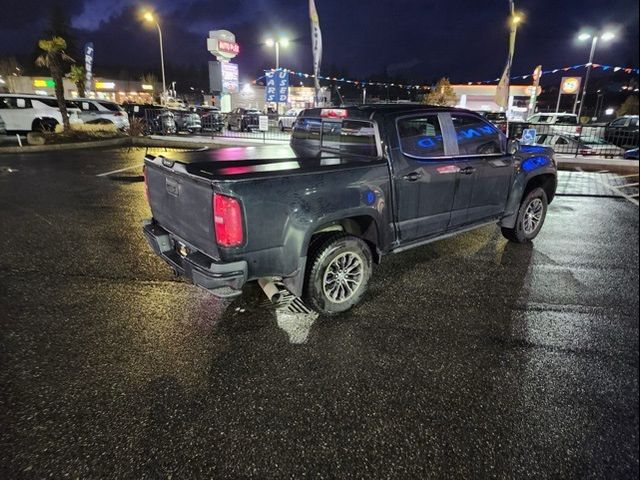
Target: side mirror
x,y
513,146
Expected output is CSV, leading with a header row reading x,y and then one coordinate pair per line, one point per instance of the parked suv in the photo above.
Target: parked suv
x,y
99,111
623,132
23,113
243,119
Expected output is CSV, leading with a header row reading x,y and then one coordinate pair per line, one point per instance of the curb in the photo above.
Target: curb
x,y
131,142
624,167
113,142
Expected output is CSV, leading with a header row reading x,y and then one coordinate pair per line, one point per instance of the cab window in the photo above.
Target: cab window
x,y
476,136
307,129
421,137
352,137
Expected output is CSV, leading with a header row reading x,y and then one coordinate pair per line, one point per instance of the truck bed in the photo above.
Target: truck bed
x,y
239,163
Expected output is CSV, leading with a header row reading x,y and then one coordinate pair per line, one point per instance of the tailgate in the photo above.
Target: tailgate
x,y
182,204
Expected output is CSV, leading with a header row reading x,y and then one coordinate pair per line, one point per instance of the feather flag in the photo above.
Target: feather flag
x,y
316,44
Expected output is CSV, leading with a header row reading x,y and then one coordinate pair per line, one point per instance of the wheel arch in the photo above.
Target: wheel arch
x,y
546,181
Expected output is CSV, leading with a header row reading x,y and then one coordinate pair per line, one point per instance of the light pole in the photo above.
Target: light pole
x,y
605,36
283,42
150,17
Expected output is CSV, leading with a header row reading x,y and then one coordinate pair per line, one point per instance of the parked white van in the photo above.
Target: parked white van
x,y
27,112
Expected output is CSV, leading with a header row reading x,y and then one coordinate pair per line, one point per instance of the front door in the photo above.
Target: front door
x,y
487,173
424,177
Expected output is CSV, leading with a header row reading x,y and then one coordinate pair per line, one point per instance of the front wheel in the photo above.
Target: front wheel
x,y
338,272
531,215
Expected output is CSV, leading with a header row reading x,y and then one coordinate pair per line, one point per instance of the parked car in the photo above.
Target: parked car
x,y
210,118
187,120
3,128
499,119
356,184
157,119
23,113
286,121
243,119
580,145
561,123
96,111
623,131
631,154
175,103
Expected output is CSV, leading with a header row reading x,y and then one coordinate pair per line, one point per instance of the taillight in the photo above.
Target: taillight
x,y
579,129
227,220
586,151
118,114
146,185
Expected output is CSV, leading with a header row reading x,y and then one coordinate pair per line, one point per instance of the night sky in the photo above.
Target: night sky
x,y
418,39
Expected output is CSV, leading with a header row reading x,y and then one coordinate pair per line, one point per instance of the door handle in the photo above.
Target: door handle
x,y
467,170
412,177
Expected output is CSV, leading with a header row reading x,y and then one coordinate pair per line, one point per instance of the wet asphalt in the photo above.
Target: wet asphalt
x,y
470,358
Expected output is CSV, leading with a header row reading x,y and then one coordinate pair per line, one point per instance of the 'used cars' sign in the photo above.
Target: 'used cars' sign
x,y
277,88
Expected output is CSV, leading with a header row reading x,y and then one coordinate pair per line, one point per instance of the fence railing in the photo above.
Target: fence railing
x,y
208,123
586,140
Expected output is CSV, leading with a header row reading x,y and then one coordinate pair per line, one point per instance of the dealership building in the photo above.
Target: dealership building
x,y
104,88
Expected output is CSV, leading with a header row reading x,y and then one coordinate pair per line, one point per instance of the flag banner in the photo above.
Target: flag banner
x,y
88,66
277,86
502,90
316,44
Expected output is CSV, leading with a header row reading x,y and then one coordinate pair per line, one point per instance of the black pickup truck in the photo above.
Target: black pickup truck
x,y
355,184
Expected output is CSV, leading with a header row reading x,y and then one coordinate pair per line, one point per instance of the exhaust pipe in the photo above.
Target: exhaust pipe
x,y
270,289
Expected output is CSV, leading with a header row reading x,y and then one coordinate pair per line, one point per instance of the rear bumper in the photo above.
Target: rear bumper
x,y
223,280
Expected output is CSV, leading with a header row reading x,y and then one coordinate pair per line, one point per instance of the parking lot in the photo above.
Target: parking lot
x,y
470,358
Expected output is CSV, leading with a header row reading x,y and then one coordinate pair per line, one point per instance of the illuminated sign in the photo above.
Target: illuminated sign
x,y
146,86
570,85
105,85
277,86
44,83
222,44
230,82
228,47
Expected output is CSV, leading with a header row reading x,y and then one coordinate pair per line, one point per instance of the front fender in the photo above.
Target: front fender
x,y
530,162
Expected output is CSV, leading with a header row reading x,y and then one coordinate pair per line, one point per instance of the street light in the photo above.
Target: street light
x,y
151,18
605,36
283,42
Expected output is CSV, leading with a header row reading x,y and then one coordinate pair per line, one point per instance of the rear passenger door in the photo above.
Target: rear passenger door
x,y
487,174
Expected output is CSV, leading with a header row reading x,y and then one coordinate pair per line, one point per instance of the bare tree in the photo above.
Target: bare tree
x,y
54,58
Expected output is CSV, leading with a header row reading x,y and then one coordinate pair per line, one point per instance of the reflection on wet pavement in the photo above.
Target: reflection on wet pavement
x,y
469,358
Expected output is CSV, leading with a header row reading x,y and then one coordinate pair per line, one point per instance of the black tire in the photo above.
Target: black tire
x,y
44,125
521,234
281,126
323,252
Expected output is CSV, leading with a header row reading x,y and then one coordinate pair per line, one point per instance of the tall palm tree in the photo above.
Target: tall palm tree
x,y
54,58
77,75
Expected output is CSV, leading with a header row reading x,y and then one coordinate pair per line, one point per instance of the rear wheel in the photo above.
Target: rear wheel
x,y
531,215
338,272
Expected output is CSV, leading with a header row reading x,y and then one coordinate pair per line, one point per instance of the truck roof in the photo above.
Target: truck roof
x,y
367,110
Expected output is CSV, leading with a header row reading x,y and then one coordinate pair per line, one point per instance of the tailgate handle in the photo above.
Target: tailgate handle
x,y
173,187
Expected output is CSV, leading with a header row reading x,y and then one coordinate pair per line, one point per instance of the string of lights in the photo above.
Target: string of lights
x,y
363,83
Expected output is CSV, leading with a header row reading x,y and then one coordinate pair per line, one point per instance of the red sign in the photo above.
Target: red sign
x,y
228,47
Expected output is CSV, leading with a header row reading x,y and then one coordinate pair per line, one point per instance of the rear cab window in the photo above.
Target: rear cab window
x,y
113,107
344,136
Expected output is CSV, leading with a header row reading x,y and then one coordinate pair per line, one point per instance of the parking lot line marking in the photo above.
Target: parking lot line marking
x,y
118,171
630,198
627,185
628,175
